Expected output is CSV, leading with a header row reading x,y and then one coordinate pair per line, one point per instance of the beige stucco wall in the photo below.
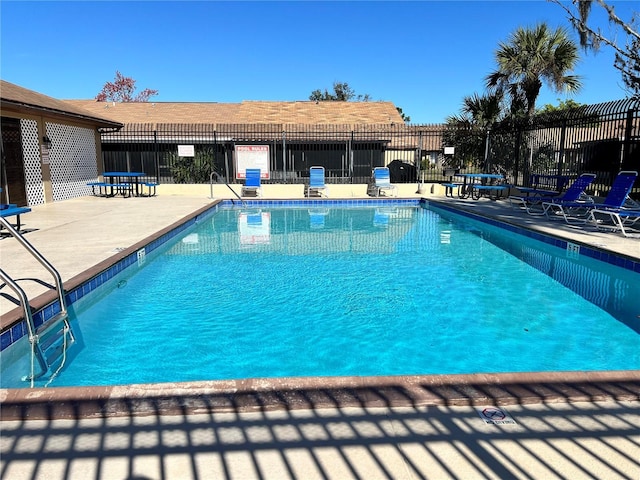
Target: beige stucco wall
x,y
405,190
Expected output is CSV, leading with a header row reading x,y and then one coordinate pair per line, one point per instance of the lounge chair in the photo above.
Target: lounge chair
x,y
580,212
617,219
380,183
252,186
533,201
605,216
317,186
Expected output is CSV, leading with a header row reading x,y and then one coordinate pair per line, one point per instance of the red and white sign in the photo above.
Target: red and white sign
x,y
252,156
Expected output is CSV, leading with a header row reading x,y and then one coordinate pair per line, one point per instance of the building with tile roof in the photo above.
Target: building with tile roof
x,y
349,139
49,147
246,112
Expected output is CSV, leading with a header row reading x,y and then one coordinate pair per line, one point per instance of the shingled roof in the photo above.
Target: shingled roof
x,y
246,112
14,96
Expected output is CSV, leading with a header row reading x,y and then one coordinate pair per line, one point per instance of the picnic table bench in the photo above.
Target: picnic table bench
x,y
11,209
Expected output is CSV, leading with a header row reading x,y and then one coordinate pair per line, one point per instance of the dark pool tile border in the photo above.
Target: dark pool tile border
x,y
324,202
586,250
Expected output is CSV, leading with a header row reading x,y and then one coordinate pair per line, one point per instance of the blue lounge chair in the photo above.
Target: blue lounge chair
x,y
317,186
605,216
533,201
380,183
617,219
252,186
580,212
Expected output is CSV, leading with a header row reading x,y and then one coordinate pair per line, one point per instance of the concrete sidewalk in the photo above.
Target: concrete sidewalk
x,y
552,441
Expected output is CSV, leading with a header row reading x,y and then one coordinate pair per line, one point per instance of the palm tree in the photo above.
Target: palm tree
x,y
531,57
480,111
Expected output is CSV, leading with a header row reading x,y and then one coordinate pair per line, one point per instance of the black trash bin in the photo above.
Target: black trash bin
x,y
402,172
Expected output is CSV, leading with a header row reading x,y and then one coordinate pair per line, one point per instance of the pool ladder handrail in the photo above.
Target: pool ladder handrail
x,y
219,178
34,334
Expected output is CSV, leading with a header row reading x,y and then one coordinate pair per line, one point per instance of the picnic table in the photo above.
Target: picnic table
x,y
475,185
122,183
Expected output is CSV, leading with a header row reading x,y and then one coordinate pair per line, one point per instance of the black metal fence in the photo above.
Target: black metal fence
x,y
601,139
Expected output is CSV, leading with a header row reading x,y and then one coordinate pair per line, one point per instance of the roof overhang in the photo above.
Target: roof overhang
x,y
7,104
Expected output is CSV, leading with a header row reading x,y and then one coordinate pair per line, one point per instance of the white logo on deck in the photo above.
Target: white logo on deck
x,y
495,416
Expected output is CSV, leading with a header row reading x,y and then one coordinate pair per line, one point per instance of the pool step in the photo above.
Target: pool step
x,y
54,337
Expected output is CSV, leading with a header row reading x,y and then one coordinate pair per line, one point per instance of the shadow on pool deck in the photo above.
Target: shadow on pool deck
x,y
552,440
577,425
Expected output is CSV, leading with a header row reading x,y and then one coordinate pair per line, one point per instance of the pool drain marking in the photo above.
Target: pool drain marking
x,y
495,416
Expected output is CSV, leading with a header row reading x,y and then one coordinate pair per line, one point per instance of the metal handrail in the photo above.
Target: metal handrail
x,y
38,256
218,177
26,307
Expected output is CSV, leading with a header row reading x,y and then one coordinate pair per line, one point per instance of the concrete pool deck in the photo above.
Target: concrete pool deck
x,y
578,425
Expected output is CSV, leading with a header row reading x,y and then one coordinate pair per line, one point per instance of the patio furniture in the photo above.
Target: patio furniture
x,y
317,186
476,185
618,219
252,185
11,209
532,202
579,212
380,183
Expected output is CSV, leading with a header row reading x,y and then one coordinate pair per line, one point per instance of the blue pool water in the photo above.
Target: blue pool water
x,y
353,291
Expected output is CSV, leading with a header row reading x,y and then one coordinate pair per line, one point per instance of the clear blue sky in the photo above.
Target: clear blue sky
x,y
425,57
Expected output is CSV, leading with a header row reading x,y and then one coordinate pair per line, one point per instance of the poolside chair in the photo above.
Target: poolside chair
x,y
380,183
316,187
533,201
617,219
252,186
605,216
580,212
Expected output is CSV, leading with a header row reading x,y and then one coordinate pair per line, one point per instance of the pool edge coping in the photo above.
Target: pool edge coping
x,y
296,393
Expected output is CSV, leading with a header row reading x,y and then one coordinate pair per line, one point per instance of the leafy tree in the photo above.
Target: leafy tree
x,y
122,90
468,130
563,105
404,116
342,92
531,57
627,56
196,169
479,111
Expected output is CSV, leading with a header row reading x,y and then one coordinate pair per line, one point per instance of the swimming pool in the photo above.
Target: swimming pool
x,y
352,291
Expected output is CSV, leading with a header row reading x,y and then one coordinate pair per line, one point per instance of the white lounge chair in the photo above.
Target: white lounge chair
x,y
380,184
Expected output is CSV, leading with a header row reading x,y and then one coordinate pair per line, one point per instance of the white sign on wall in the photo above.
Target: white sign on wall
x,y
252,156
186,151
449,150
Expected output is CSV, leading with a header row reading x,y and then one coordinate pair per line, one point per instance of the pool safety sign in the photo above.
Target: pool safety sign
x,y
495,416
252,156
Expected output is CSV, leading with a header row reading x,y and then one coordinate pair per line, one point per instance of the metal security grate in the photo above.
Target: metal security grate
x,y
72,160
31,156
